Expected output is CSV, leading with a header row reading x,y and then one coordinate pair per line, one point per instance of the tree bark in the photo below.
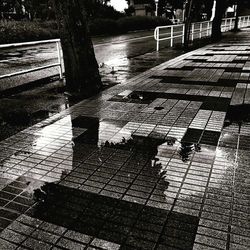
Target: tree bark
x,y
216,26
188,20
236,24
81,68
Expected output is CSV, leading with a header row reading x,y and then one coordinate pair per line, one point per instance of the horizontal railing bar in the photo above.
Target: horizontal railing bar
x,y
177,33
4,46
169,26
168,38
29,70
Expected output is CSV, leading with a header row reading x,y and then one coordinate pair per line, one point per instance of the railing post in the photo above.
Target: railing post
x,y
192,30
230,24
157,40
208,28
183,34
59,59
200,30
172,36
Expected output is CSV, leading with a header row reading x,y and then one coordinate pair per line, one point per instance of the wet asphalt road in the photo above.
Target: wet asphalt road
x,y
112,49
113,53
109,50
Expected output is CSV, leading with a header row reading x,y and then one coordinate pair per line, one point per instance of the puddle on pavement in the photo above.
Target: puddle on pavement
x,y
96,129
93,214
187,149
146,145
87,212
125,140
15,121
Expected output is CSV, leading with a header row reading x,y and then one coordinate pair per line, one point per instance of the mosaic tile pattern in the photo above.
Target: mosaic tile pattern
x,y
160,162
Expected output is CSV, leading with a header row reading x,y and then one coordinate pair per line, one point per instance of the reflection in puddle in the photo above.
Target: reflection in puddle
x,y
105,153
41,157
100,146
238,114
187,149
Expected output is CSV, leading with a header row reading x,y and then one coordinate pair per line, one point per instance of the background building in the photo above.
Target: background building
x,y
142,7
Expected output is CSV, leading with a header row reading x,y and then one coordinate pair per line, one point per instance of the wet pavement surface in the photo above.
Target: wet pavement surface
x,y
158,162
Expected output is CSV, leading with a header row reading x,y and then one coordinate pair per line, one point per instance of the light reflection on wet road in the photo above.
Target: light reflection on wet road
x,y
119,58
106,49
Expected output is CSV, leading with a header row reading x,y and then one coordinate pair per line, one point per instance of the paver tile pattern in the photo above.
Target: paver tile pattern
x,y
161,162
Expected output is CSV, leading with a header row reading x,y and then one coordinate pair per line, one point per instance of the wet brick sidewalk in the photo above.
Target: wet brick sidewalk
x,y
161,162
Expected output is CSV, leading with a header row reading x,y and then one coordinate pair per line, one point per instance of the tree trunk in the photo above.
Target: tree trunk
x,y
81,68
216,26
236,24
188,20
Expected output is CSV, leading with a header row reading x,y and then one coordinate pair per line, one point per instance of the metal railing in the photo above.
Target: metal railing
x,y
59,64
198,30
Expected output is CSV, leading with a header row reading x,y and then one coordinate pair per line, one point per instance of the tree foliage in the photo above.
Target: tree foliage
x,y
43,9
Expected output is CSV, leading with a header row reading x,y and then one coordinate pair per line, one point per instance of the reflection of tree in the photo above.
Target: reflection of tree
x,y
139,158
